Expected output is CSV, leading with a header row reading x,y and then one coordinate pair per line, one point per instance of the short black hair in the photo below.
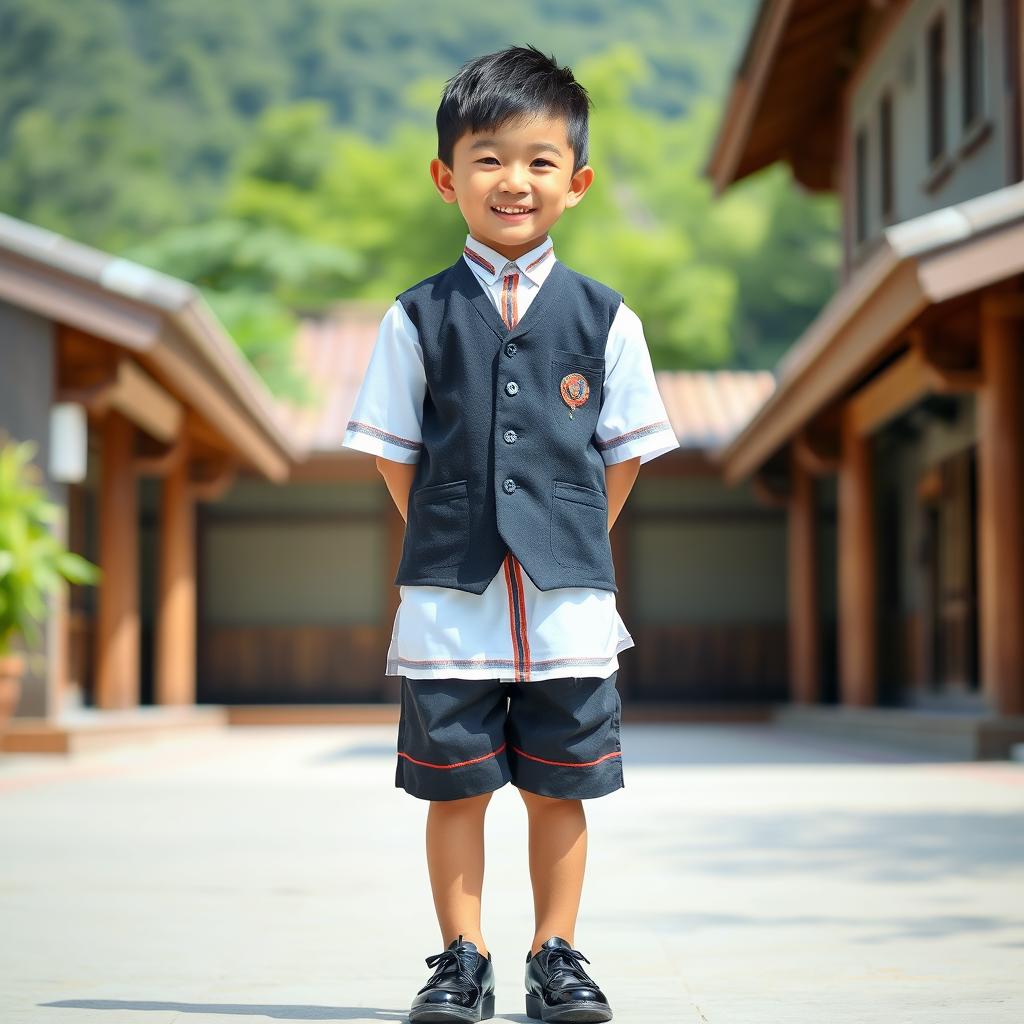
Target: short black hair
x,y
489,91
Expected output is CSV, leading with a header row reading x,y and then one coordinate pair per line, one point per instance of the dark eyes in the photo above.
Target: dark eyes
x,y
494,159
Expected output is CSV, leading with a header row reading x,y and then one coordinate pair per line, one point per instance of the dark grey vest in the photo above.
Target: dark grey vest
x,y
503,464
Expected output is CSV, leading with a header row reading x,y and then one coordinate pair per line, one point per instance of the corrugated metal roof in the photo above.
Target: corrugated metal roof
x,y
706,408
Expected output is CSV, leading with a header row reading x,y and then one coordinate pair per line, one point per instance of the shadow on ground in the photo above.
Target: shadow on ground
x,y
274,1011
700,744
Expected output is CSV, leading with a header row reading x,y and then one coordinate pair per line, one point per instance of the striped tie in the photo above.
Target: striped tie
x,y
510,296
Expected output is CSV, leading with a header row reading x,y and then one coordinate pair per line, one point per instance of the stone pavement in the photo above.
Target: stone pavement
x,y
744,875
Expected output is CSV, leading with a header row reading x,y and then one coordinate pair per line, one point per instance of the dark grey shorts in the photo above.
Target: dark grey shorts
x,y
464,737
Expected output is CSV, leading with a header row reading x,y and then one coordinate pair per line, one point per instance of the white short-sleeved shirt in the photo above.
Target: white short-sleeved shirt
x,y
569,631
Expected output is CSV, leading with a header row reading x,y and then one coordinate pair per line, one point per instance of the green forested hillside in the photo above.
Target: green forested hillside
x,y
275,154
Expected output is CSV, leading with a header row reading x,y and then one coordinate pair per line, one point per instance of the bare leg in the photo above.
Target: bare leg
x,y
455,861
558,859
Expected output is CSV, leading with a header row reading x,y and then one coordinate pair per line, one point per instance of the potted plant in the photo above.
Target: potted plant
x,y
33,563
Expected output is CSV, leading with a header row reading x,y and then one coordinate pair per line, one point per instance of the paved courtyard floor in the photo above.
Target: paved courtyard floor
x,y
745,875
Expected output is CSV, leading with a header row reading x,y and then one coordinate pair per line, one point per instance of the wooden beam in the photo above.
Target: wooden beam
x,y
951,365
857,632
117,622
167,461
816,451
922,370
894,391
802,554
133,393
1001,511
216,486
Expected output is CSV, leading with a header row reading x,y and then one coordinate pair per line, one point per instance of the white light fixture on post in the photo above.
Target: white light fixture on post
x,y
69,439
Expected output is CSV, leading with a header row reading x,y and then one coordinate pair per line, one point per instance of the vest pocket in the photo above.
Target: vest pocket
x,y
579,526
591,368
577,360
439,522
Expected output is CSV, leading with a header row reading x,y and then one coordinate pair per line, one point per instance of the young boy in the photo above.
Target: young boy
x,y
510,402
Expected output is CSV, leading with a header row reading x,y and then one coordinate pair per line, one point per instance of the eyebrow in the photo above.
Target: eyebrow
x,y
536,146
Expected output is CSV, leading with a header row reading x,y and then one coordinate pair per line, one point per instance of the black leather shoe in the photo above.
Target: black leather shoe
x,y
557,987
460,989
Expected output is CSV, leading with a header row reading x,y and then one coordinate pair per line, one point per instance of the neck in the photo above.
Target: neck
x,y
512,252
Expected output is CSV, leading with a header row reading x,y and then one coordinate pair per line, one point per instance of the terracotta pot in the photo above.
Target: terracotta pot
x,y
12,668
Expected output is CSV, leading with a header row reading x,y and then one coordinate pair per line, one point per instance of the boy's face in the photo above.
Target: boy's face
x,y
513,182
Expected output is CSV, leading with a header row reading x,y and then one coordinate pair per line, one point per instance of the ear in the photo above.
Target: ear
x,y
581,181
441,174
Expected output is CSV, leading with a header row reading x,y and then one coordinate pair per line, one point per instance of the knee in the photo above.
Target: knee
x,y
463,805
536,802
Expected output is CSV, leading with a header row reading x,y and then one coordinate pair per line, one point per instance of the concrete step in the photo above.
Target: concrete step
x,y
90,729
955,735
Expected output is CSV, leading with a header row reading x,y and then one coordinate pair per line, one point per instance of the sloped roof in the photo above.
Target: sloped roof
x,y
785,90
918,263
707,408
149,313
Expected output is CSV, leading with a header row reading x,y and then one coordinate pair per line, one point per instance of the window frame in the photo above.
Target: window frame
x,y
861,193
886,156
936,87
972,62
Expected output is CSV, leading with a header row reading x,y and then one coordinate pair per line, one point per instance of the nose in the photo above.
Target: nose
x,y
514,178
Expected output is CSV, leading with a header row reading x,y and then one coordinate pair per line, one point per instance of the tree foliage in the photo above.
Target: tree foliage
x,y
276,155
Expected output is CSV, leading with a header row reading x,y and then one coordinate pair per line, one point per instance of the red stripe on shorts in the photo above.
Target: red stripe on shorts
x,y
458,764
569,764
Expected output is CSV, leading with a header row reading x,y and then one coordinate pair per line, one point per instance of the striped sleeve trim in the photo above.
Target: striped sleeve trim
x,y
631,435
383,435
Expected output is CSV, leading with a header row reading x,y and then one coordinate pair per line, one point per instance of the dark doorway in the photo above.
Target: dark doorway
x,y
947,565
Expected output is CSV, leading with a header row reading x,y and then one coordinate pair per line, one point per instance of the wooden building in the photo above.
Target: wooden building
x,y
894,436
249,558
141,407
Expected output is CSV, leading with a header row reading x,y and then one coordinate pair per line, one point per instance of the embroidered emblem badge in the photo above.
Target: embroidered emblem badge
x,y
575,390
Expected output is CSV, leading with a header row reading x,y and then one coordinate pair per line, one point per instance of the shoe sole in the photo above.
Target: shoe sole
x,y
454,1015
571,1013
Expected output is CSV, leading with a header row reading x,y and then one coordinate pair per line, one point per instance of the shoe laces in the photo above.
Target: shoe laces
x,y
568,969
463,977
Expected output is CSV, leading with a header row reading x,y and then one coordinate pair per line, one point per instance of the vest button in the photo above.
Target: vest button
x,y
509,485
510,436
510,348
511,387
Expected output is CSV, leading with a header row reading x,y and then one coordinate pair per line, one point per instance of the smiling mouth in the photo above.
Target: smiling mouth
x,y
512,211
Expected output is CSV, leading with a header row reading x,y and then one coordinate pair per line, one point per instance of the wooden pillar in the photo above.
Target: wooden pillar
x,y
117,625
1001,510
857,635
802,553
175,641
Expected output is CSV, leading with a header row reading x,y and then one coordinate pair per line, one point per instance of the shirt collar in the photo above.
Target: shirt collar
x,y
488,263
